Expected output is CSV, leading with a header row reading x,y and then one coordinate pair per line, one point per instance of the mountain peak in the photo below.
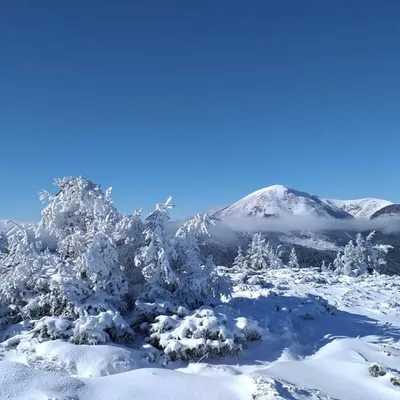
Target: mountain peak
x,y
280,200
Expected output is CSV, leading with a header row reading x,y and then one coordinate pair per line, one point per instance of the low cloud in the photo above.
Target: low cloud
x,y
313,224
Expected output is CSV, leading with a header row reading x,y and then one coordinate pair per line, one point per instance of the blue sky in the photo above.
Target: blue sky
x,y
202,100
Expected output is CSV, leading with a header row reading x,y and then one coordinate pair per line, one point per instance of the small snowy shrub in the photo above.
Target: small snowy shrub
x,y
395,381
203,334
247,329
104,327
375,370
53,328
147,312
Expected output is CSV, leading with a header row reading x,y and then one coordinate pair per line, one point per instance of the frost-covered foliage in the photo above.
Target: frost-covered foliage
x,y
155,256
203,334
240,262
87,329
53,328
128,238
25,270
362,257
173,267
257,253
102,264
101,328
198,282
84,220
260,255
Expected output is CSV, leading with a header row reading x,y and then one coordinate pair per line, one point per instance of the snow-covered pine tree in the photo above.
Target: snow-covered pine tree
x,y
261,255
25,272
350,261
156,254
83,219
374,255
326,267
128,238
199,282
256,253
360,258
274,257
240,263
293,260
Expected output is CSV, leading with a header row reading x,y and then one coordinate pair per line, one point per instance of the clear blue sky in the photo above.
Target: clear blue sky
x,y
202,100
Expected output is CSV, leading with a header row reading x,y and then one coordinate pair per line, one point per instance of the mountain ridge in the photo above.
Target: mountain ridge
x,y
280,200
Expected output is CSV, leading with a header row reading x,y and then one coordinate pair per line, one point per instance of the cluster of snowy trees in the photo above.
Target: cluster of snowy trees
x,y
104,264
360,257
355,259
260,255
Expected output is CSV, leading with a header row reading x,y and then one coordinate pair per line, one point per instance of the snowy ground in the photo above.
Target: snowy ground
x,y
320,335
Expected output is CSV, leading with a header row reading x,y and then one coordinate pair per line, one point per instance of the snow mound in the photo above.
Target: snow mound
x,y
89,361
346,371
279,200
19,382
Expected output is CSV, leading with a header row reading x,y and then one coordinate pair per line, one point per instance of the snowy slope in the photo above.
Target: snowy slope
x,y
320,335
361,208
279,200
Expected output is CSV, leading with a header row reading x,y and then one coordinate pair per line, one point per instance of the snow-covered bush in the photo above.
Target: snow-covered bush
x,y
203,334
104,327
376,370
53,328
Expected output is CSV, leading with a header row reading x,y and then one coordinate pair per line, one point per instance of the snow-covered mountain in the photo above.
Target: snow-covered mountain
x,y
279,200
360,208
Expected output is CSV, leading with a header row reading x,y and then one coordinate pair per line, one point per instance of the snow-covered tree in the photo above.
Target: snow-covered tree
x,y
79,208
257,253
262,255
240,262
128,238
375,255
83,219
155,256
293,260
360,258
274,257
199,282
326,267
25,271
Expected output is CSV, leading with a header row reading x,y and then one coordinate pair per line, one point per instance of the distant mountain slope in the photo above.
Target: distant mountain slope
x,y
360,208
279,200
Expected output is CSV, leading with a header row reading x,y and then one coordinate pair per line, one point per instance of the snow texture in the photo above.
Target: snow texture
x,y
320,334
